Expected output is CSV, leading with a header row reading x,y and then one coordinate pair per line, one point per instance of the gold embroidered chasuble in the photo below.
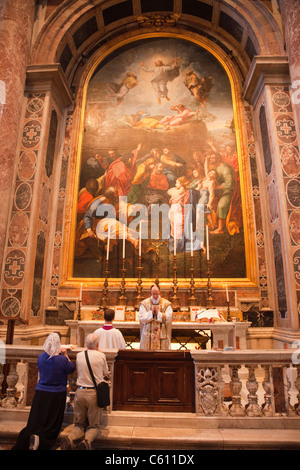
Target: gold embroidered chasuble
x,y
155,334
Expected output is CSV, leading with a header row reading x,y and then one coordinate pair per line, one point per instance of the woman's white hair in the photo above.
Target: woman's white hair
x,y
92,341
52,344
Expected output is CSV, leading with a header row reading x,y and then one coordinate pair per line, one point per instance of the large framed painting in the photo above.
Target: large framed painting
x,y
158,137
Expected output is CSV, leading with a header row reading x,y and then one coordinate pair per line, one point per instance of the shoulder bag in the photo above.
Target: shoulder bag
x,y
102,389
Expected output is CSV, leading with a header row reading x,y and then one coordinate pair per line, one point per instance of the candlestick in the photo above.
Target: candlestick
x,y
122,298
192,241
192,298
104,298
207,243
140,240
174,298
79,310
124,235
108,239
209,298
228,311
139,296
174,237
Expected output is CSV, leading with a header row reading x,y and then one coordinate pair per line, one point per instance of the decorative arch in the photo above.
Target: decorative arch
x,y
76,28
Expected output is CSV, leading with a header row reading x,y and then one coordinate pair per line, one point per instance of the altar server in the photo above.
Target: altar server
x,y
155,314
110,337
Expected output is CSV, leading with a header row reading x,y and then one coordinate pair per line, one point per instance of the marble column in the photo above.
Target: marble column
x,y
290,11
16,24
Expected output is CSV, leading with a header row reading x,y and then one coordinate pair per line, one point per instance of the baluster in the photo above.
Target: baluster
x,y
223,406
10,400
297,385
291,410
267,407
252,408
24,382
236,408
1,380
71,394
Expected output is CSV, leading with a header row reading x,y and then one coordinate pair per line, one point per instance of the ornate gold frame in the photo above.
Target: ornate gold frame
x,y
78,121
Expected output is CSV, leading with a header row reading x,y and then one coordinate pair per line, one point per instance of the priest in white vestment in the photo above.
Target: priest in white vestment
x,y
109,336
155,315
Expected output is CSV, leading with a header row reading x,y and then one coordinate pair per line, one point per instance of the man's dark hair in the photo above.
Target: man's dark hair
x,y
109,314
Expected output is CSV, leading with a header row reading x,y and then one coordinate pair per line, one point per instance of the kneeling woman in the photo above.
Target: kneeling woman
x,y
48,405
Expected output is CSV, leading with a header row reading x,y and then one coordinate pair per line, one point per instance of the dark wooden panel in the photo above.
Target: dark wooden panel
x,y
154,381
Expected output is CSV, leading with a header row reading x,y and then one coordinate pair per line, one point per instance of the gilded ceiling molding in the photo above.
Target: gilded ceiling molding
x,y
158,21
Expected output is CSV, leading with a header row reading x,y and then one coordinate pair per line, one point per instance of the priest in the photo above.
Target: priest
x,y
155,315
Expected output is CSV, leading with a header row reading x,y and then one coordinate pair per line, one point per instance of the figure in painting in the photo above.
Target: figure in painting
x,y
174,165
121,172
96,223
120,90
86,195
207,188
162,74
181,197
157,187
183,115
225,186
198,87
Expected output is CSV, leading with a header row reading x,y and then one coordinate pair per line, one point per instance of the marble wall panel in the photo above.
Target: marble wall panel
x,y
288,144
20,217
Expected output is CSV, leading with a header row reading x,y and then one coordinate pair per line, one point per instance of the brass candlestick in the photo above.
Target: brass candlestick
x,y
228,311
79,310
209,298
174,298
104,298
192,298
139,288
123,299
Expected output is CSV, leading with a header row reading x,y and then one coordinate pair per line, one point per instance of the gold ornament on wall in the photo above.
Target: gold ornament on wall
x,y
157,21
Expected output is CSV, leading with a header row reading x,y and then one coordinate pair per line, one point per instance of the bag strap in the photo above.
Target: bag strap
x,y
90,369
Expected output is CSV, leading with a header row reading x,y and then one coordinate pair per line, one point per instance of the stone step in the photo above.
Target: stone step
x,y
136,437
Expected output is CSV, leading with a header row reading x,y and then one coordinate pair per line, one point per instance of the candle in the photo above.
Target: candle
x,y
124,241
192,244
80,292
140,240
107,250
207,243
227,296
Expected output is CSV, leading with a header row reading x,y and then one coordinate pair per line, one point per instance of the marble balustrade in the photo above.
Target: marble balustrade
x,y
241,383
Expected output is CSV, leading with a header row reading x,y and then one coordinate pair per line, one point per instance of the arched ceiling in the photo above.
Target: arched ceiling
x,y
75,29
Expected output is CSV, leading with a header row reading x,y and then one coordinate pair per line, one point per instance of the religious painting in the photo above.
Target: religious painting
x,y
159,137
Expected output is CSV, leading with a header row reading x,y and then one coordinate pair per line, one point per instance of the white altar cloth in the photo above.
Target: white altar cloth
x,y
225,334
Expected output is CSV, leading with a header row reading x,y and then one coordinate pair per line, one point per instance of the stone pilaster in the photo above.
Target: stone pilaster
x,y
16,24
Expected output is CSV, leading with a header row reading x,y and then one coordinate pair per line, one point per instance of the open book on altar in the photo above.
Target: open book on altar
x,y
211,315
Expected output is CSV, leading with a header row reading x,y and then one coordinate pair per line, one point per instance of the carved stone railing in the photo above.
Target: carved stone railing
x,y
240,383
259,383
21,382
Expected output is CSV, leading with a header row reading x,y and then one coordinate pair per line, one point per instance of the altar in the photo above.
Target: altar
x,y
220,335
